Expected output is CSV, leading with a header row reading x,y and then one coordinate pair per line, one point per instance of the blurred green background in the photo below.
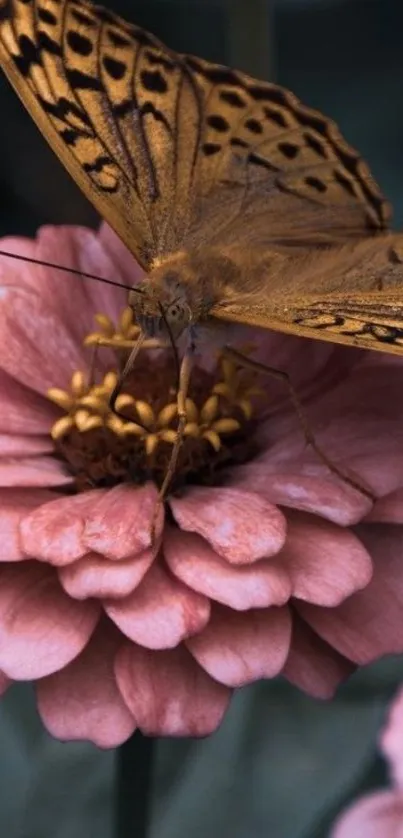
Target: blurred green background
x,y
282,765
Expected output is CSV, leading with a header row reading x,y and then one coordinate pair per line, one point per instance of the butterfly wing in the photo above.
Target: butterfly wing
x,y
350,293
173,149
118,108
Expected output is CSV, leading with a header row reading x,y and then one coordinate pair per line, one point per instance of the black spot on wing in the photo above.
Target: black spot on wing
x,y
218,123
275,116
153,81
46,16
48,44
82,19
231,97
254,126
98,164
315,183
28,55
79,43
117,39
211,148
289,150
82,81
63,108
114,68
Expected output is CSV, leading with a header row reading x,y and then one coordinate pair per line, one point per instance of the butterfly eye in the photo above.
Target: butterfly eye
x,y
177,316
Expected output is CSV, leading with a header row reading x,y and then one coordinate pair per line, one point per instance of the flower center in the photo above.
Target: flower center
x,y
102,449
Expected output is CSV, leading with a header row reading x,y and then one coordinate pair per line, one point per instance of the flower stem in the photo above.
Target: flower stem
x,y
133,786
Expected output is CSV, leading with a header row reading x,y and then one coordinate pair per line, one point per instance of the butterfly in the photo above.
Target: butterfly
x,y
241,204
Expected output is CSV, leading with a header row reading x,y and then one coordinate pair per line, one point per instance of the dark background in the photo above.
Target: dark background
x,y
282,765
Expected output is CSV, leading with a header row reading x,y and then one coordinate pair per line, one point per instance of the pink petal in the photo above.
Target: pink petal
x,y
30,330
91,256
54,531
24,446
237,649
23,411
368,624
95,576
167,692
122,521
82,701
14,505
304,486
160,613
325,563
43,472
129,271
312,665
241,526
41,629
388,510
392,739
194,562
378,815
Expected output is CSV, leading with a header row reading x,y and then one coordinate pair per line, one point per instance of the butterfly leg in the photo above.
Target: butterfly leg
x,y
183,389
256,366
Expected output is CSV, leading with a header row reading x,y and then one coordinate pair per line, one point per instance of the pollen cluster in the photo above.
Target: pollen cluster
x,y
102,448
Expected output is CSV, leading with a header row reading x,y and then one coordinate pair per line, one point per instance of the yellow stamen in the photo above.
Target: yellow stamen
x,y
151,444
61,427
225,426
213,438
209,410
167,414
60,397
145,412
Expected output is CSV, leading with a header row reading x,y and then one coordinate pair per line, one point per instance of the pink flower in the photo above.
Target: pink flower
x,y
265,561
380,814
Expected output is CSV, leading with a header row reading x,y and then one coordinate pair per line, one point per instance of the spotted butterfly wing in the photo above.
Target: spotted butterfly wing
x,y
175,152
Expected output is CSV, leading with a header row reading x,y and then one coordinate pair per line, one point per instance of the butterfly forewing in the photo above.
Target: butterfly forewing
x,y
178,153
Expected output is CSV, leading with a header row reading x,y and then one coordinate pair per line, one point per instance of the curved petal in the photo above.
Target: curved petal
x,y
378,815
125,520
23,411
41,472
304,485
168,693
41,629
21,446
129,272
367,624
241,526
195,563
55,530
28,323
237,649
15,504
160,613
82,701
325,563
95,576
312,665
388,510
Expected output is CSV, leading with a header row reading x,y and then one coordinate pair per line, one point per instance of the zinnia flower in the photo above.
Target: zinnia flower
x,y
263,560
380,814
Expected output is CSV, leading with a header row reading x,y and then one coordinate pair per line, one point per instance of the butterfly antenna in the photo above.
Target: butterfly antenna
x,y
46,264
172,342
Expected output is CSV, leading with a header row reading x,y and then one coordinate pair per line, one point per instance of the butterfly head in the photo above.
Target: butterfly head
x,y
163,305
